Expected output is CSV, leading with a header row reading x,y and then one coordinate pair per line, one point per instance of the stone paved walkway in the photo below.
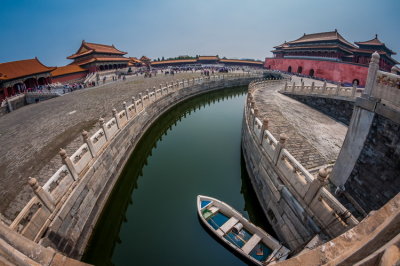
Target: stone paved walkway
x,y
31,136
314,139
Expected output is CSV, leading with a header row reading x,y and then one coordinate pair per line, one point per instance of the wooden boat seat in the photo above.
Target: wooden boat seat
x,y
229,224
213,209
253,241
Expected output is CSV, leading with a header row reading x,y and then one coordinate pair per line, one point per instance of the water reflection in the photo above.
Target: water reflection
x,y
108,230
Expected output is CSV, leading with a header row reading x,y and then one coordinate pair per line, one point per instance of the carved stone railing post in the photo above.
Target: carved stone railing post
x,y
316,185
372,71
161,90
155,93
302,86
337,89
263,128
279,147
312,86
88,142
148,96
293,86
126,110
353,90
285,89
324,87
254,117
115,114
42,194
141,99
67,161
103,126
134,103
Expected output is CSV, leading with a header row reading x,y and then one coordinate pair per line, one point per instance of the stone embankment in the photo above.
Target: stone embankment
x,y
296,202
31,136
64,211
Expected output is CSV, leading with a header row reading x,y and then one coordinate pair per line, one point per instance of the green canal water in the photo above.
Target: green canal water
x,y
151,217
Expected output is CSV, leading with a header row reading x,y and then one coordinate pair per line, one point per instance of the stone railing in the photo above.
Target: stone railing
x,y
315,201
48,205
383,85
324,90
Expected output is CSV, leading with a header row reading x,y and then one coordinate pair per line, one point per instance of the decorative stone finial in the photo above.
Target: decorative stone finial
x,y
265,123
114,111
33,183
322,174
101,121
375,57
84,134
124,104
133,99
62,153
393,70
282,138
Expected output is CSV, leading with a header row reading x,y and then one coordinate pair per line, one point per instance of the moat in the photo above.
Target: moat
x,y
151,216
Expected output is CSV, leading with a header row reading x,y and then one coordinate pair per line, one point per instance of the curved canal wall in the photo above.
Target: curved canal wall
x,y
296,203
64,211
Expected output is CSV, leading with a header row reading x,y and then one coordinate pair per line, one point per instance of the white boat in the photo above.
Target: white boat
x,y
237,232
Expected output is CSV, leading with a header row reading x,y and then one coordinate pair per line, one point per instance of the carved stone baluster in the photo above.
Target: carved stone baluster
x,y
114,111
88,142
42,194
134,103
279,147
67,161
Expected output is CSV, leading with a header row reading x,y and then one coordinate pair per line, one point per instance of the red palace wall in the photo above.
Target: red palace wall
x,y
335,71
66,78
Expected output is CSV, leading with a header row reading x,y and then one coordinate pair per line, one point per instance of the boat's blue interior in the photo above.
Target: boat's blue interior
x,y
238,239
205,203
217,220
260,252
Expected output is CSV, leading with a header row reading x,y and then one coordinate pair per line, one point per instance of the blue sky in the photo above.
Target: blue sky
x,y
53,30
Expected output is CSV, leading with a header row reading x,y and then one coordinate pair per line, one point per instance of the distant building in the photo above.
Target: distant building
x,y
98,57
18,76
69,73
206,60
330,56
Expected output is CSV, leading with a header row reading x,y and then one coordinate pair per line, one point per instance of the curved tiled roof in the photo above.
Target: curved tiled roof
x,y
100,59
241,61
208,58
89,48
22,68
322,36
68,69
374,42
174,61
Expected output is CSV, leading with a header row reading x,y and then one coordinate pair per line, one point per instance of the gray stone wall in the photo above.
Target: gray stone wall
x,y
71,229
339,109
375,178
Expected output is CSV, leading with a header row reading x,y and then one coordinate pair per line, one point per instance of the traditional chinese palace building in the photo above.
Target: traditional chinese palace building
x,y
68,74
329,56
18,76
98,57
